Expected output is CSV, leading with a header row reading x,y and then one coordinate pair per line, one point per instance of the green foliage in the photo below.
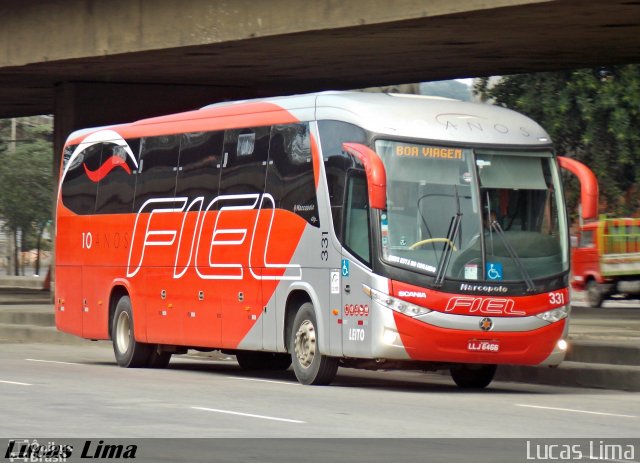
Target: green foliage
x,y
26,181
593,116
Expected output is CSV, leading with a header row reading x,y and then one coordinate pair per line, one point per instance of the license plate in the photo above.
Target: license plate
x,y
479,345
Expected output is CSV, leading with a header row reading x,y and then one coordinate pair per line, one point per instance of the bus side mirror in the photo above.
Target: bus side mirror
x,y
588,186
375,172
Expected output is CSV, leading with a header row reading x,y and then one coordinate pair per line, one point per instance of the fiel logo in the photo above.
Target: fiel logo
x,y
121,152
101,172
484,306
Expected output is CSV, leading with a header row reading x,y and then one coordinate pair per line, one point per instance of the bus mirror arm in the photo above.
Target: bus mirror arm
x,y
588,186
374,170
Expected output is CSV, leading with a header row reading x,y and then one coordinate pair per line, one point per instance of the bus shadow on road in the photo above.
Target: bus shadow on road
x,y
393,381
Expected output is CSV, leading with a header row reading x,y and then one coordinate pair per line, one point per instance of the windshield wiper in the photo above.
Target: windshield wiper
x,y
512,252
452,234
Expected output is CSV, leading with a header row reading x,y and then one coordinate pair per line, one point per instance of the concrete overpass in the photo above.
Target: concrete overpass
x,y
92,62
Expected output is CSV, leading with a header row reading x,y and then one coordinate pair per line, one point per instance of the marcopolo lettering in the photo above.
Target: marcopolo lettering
x,y
483,288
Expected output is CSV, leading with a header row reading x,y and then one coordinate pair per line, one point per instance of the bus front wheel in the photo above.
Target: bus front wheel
x,y
309,365
472,376
129,352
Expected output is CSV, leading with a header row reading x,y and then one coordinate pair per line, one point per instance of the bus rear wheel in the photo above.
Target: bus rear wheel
x,y
129,352
309,365
472,376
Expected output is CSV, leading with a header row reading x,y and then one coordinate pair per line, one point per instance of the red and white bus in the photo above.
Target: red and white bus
x,y
334,229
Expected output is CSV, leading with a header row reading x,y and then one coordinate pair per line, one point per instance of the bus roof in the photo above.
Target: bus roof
x,y
394,115
433,118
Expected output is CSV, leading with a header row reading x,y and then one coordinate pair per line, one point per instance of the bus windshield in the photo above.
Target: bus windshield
x,y
467,214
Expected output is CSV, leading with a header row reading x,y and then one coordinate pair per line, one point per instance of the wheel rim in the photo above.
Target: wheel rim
x,y
123,332
305,344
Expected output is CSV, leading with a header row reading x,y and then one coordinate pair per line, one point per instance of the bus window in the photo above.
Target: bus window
x,y
356,221
157,168
115,192
78,190
200,163
332,135
290,177
244,162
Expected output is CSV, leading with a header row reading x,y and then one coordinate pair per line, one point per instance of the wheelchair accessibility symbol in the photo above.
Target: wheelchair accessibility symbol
x,y
345,268
494,271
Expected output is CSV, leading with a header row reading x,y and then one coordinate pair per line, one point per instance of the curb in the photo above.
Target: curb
x,y
602,352
575,374
35,333
19,282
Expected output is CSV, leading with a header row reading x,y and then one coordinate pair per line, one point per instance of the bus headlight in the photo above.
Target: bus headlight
x,y
555,315
393,303
562,345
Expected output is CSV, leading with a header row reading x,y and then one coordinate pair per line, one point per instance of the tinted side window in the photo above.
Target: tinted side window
x,y
157,168
115,192
290,174
80,185
332,135
200,164
356,218
244,162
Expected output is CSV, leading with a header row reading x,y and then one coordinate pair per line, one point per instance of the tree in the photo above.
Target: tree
x,y
26,186
592,115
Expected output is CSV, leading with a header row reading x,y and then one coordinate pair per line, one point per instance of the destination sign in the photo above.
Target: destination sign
x,y
423,151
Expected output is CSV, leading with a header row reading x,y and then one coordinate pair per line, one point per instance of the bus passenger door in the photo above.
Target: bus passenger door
x,y
354,272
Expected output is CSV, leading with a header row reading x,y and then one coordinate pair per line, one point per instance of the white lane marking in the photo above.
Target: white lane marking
x,y
265,381
16,383
52,361
575,411
249,415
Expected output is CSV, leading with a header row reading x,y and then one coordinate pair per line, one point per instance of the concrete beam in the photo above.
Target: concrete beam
x,y
35,32
279,47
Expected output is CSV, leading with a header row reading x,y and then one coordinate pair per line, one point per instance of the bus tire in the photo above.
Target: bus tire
x,y
594,295
129,353
309,365
472,376
263,361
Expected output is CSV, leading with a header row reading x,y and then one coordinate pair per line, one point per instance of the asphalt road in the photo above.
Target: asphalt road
x,y
77,391
71,394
